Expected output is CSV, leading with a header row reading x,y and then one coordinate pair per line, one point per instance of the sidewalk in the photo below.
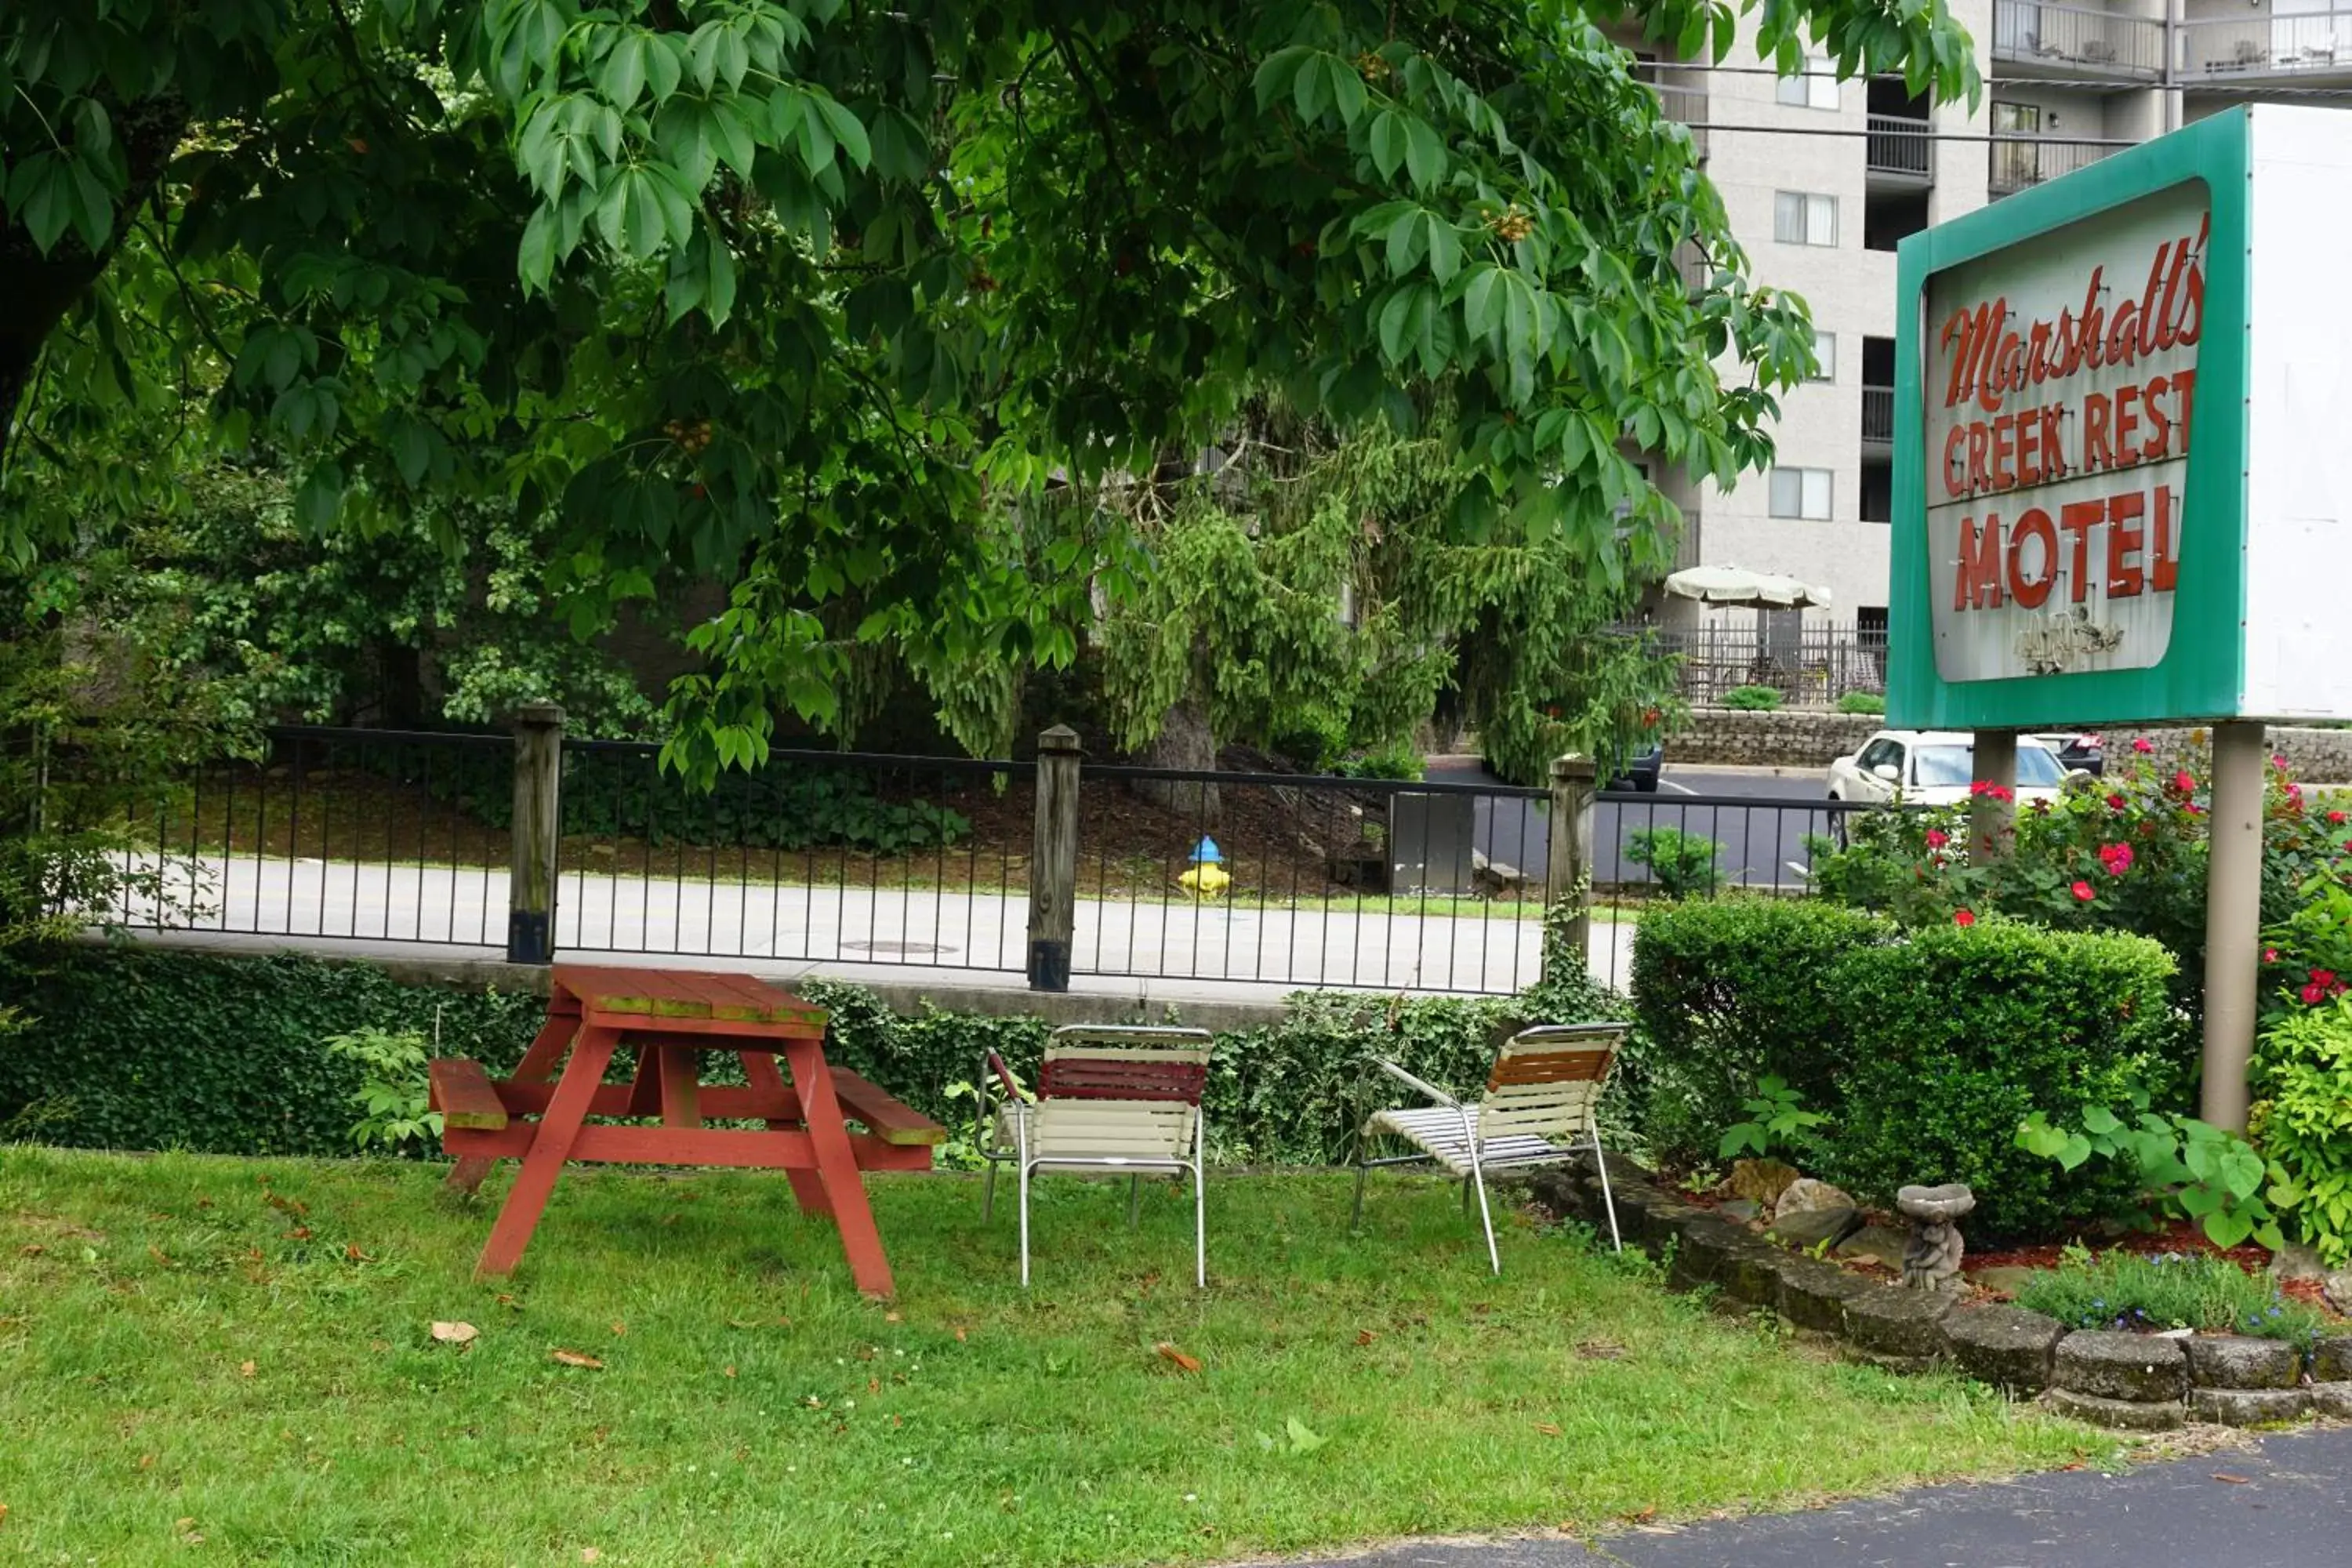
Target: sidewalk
x,y
2286,1504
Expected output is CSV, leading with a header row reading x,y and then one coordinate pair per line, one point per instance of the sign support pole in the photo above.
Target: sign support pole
x,y
1993,822
2233,915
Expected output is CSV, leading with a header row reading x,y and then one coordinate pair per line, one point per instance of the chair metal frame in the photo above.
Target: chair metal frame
x,y
1528,1095
1121,1074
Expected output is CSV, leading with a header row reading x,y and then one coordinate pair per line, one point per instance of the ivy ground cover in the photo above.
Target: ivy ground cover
x,y
231,1360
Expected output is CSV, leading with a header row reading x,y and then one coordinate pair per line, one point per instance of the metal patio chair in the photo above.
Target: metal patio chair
x,y
1110,1098
1538,1111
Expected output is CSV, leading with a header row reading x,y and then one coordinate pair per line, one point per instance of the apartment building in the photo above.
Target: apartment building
x,y
1821,178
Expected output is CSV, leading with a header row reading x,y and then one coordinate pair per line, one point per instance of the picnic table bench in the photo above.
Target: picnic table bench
x,y
670,1018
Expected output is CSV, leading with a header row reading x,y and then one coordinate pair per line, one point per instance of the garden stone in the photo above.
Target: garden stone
x,y
1752,1275
2241,1360
1761,1181
1813,1294
1739,1209
2008,1278
1804,1195
2114,1366
2007,1347
2338,1289
2125,1414
1811,1227
2298,1261
1896,1326
1704,1254
1931,1260
2248,1406
2331,1399
2331,1359
1878,1243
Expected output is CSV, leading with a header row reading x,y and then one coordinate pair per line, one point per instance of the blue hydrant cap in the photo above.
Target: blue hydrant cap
x,y
1206,852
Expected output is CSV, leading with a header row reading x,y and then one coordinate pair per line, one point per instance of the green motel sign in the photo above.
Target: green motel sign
x,y
2123,458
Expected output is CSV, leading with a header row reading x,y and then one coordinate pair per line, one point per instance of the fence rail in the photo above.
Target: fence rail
x,y
1895,144
2019,162
2079,39
936,863
2296,44
1878,416
1810,667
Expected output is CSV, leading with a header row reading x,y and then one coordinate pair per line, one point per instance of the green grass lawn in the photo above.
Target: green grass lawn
x,y
226,1360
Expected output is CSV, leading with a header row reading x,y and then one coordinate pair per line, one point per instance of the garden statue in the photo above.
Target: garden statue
x,y
1931,1260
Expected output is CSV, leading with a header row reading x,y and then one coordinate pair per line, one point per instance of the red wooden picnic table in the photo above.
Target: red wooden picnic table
x,y
670,1016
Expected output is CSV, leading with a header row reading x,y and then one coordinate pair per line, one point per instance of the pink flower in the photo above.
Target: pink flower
x,y
2314,995
2114,802
2115,857
2270,955
2182,782
1937,839
2278,760
2323,977
2335,819
2083,891
1986,789
2141,745
1964,918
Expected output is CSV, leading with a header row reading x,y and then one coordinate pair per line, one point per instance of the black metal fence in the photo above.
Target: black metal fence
x,y
831,858
1812,667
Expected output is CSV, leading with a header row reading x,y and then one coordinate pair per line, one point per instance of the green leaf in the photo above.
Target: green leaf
x,y
1482,306
901,150
1311,89
1347,86
1302,1439
630,216
2099,1120
1444,249
665,64
1424,157
535,259
846,128
320,499
1387,141
622,75
412,450
2073,1151
1406,238
1279,72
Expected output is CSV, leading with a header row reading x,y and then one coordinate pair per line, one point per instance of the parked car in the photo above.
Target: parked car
x,y
1934,767
2078,753
1642,771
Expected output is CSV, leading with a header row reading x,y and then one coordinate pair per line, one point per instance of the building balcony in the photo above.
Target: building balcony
x,y
2077,42
2301,48
2019,162
1899,152
1877,421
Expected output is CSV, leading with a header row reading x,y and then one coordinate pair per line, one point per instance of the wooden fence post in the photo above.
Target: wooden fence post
x,y
538,833
1054,861
1568,864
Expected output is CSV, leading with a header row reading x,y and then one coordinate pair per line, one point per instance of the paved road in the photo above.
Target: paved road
x,y
2288,1504
1761,847
1475,946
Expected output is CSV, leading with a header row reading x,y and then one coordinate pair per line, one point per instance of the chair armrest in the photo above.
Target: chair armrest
x,y
1418,1084
992,1063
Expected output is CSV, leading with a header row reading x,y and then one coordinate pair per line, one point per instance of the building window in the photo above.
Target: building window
x,y
1801,218
1801,493
1824,357
1815,87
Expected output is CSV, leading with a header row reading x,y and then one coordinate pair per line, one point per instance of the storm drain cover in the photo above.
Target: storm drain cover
x,y
901,949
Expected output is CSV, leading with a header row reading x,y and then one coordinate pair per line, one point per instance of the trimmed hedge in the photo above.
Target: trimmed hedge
x,y
1925,1050
1725,990
148,1048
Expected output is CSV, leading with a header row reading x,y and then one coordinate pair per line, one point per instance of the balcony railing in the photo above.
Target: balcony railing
x,y
1897,144
2104,43
1878,416
2019,162
2260,45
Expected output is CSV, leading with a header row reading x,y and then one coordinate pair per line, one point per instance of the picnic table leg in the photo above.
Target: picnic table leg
x,y
550,1147
836,1161
808,1187
538,1063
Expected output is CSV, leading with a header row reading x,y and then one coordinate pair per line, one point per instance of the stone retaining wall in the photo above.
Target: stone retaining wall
x,y
1800,739
2134,1381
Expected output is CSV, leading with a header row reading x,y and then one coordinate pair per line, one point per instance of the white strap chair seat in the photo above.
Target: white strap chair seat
x,y
1111,1100
1538,1110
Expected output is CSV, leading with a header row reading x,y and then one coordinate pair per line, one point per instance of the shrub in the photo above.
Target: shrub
x,y
1956,1036
1725,993
1752,699
1861,702
2120,1289
1680,863
2303,1120
149,1048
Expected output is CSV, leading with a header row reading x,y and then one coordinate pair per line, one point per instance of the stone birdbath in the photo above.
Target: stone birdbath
x,y
1931,1260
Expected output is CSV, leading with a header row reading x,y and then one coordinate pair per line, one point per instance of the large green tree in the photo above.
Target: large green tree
x,y
809,296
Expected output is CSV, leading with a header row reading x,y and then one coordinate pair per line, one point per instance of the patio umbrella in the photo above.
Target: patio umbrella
x,y
1732,587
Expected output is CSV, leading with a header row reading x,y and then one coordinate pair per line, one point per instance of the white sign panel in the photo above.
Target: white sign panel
x,y
2060,383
